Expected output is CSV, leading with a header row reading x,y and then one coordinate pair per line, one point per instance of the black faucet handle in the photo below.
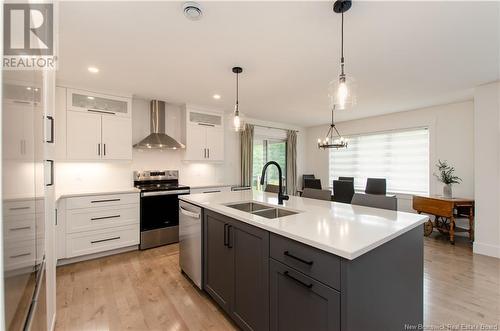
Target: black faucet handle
x,y
285,197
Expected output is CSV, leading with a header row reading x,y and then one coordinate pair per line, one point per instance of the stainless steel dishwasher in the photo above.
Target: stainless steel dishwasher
x,y
190,241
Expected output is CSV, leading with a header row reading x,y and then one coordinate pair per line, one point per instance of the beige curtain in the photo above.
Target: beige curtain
x,y
291,162
246,140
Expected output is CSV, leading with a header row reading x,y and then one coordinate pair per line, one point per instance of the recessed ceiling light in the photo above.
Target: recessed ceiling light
x,y
216,96
90,98
93,70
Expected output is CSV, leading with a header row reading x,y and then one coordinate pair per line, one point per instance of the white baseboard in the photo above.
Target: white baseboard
x,y
486,249
97,255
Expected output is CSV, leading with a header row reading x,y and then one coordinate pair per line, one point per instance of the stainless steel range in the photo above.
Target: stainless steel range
x,y
160,192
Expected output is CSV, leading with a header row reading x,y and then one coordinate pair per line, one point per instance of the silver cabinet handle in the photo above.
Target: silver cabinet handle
x,y
51,120
101,111
206,124
189,213
104,217
104,145
21,228
103,240
107,200
19,208
51,183
99,149
19,255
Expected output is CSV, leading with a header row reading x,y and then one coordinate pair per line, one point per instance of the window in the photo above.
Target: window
x,y
402,157
268,145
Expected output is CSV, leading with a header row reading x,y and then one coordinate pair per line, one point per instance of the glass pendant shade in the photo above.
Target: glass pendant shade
x,y
238,123
342,93
237,120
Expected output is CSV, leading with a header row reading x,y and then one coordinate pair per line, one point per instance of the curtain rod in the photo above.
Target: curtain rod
x,y
272,127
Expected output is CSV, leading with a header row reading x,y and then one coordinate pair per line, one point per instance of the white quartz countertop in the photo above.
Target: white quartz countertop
x,y
342,229
96,192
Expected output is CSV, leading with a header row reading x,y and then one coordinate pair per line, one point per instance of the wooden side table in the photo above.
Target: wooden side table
x,y
444,211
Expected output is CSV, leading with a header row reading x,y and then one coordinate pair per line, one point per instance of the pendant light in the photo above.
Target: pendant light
x,y
237,123
341,91
333,139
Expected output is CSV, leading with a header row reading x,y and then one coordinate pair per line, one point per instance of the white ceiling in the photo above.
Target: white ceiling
x,y
403,55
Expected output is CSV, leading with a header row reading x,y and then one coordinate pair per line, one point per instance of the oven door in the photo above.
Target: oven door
x,y
160,209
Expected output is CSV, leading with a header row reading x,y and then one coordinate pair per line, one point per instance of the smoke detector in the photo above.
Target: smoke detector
x,y
192,10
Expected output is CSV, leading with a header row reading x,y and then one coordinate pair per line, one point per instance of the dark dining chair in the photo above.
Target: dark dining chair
x,y
375,201
343,191
312,183
376,186
314,193
304,177
349,179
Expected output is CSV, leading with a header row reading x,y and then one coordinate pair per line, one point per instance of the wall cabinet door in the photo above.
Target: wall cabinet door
x,y
196,138
250,245
300,303
215,144
78,100
219,261
116,138
83,136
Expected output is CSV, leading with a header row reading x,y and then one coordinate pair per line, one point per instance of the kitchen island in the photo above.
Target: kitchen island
x,y
323,266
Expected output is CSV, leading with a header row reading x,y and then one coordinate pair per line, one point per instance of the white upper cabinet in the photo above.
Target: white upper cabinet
x,y
86,101
215,144
98,126
116,138
203,135
83,136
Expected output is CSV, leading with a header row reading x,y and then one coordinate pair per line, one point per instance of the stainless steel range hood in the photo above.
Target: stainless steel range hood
x,y
157,138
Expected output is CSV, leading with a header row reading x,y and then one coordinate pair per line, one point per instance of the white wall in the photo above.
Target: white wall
x,y
487,169
451,132
91,176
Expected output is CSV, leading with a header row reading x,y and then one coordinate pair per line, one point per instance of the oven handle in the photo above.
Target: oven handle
x,y
189,213
150,194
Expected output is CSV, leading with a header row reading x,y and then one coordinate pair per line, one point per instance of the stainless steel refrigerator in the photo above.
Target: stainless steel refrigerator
x,y
26,175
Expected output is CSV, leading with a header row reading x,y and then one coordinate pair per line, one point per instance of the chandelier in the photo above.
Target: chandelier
x,y
333,139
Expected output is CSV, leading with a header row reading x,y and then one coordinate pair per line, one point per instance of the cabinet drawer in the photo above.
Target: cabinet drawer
x,y
19,227
89,242
93,201
21,206
87,219
313,262
299,302
20,254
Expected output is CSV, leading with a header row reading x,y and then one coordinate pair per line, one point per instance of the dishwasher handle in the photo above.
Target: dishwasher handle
x,y
189,213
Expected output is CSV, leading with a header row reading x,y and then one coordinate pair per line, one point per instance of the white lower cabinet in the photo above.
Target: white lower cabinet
x,y
89,242
97,223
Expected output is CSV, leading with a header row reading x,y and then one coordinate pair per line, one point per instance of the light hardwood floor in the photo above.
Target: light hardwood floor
x,y
144,290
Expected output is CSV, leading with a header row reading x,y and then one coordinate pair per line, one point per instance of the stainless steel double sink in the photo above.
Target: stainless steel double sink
x,y
263,210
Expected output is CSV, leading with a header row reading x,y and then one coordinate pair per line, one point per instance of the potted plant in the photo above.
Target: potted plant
x,y
446,176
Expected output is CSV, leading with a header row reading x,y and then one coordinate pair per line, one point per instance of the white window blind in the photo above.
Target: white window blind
x,y
402,157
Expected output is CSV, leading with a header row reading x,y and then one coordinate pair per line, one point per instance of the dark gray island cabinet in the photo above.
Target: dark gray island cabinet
x,y
265,281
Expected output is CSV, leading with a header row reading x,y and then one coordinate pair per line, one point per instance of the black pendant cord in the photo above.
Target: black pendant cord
x,y
342,47
237,91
